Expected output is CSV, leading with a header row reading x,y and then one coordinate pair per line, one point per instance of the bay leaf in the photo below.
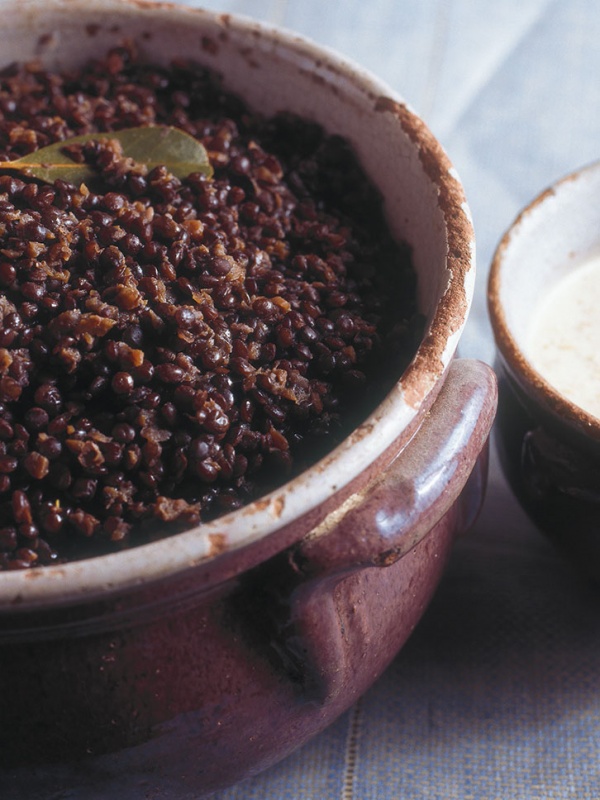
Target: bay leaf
x,y
150,145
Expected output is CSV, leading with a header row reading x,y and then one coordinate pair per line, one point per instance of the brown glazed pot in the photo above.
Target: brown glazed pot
x,y
185,665
549,447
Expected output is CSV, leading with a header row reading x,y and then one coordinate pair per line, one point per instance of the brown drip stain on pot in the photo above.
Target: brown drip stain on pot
x,y
247,54
46,41
453,305
209,45
218,544
278,506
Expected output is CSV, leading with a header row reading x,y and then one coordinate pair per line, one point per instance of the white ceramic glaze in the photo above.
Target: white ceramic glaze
x,y
424,203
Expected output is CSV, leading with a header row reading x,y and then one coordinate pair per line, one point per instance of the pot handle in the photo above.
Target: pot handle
x,y
445,459
378,525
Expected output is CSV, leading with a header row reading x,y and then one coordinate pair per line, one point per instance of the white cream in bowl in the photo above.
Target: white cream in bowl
x,y
564,336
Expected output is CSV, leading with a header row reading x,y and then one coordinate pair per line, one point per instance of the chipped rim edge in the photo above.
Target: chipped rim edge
x,y
518,365
145,564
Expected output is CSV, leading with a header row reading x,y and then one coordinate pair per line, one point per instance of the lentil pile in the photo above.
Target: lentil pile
x,y
171,349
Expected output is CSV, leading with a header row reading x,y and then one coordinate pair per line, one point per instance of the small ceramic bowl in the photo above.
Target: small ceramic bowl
x,y
549,446
181,666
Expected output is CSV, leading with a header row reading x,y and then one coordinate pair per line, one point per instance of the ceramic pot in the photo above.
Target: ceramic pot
x,y
184,665
548,446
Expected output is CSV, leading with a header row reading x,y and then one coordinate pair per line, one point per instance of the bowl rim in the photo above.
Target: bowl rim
x,y
412,395
520,368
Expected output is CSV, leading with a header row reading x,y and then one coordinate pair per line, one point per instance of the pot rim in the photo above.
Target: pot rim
x,y
532,382
412,394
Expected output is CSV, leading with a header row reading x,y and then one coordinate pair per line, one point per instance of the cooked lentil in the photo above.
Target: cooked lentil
x,y
171,349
